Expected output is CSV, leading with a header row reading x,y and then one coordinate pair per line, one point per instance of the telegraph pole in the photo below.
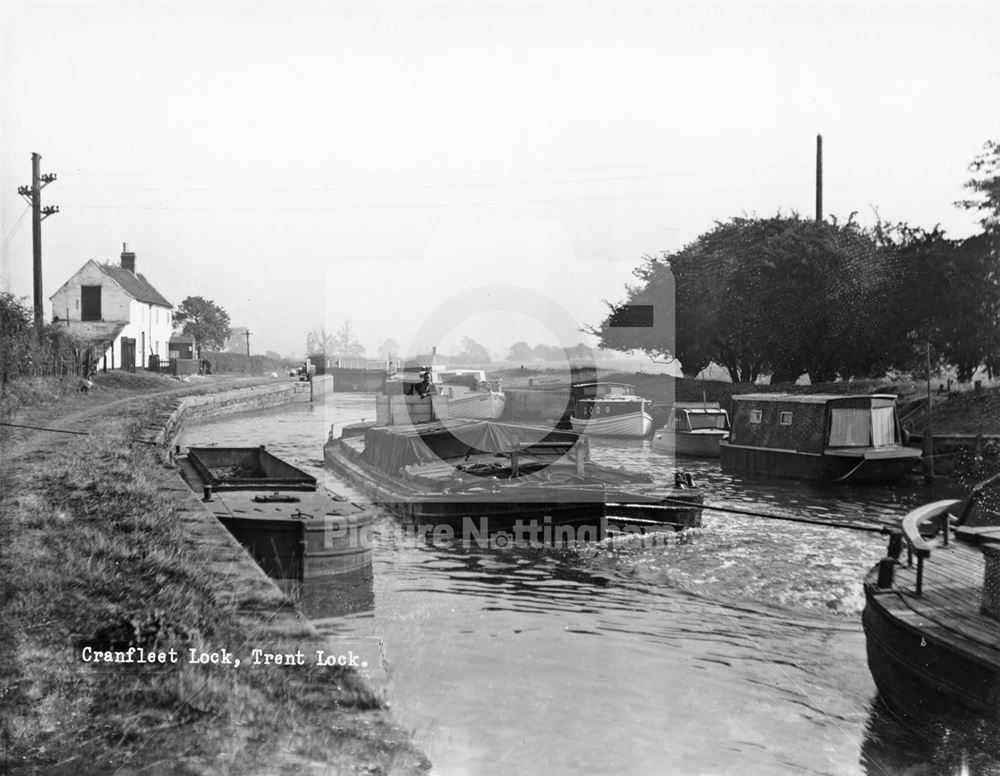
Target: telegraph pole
x,y
33,194
819,178
248,342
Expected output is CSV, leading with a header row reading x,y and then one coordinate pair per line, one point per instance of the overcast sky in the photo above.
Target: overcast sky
x,y
307,163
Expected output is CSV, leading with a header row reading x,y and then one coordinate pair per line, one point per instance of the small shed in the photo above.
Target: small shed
x,y
182,346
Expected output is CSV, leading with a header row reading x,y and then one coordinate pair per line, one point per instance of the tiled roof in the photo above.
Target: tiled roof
x,y
135,285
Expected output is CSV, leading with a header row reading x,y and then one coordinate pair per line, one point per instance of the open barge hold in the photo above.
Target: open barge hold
x,y
483,477
932,609
294,528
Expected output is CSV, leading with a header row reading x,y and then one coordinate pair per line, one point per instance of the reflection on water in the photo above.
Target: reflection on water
x,y
733,648
930,745
328,598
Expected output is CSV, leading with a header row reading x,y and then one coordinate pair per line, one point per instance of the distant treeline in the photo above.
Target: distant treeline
x,y
787,296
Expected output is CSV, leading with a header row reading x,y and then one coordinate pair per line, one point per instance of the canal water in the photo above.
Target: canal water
x,y
735,648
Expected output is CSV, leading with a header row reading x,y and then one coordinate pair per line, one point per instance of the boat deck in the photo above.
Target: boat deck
x,y
258,505
292,533
948,607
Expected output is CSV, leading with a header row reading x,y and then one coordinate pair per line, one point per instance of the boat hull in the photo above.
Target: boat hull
x,y
700,445
631,424
916,674
479,405
294,530
885,467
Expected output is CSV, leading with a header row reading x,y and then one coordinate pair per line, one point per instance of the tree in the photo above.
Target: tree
x,y
204,320
520,351
319,341
645,320
344,343
236,342
543,352
949,297
784,295
986,184
580,353
471,352
388,348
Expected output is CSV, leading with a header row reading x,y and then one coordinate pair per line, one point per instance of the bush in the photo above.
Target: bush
x,y
24,354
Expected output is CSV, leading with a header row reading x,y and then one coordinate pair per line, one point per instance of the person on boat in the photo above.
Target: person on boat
x,y
425,387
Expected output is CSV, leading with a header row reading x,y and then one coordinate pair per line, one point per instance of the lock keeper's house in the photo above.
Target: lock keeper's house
x,y
115,314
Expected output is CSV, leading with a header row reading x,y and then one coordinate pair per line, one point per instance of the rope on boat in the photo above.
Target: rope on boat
x,y
67,431
867,527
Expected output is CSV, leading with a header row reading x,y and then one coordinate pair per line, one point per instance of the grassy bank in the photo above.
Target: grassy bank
x,y
965,412
94,551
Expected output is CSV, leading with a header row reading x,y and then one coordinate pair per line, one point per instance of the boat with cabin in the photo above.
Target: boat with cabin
x,y
470,395
498,476
693,428
467,392
610,409
294,528
852,438
932,609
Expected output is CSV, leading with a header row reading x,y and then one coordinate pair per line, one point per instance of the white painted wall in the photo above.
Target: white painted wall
x,y
148,324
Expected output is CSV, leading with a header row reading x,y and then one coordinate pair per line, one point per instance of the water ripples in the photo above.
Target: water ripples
x,y
732,648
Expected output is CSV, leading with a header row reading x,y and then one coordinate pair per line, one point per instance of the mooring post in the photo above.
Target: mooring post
x,y
886,571
990,604
929,434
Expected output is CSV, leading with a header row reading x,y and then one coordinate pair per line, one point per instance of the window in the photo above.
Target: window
x,y
850,427
785,419
755,416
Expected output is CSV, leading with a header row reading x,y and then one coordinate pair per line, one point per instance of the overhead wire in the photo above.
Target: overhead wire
x,y
10,235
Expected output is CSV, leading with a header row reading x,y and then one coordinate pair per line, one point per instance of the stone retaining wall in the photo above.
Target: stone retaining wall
x,y
240,582
195,408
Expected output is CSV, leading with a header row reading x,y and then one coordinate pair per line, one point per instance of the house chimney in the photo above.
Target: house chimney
x,y
128,258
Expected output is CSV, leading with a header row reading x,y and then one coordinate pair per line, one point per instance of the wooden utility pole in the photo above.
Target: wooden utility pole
x,y
248,333
33,195
929,432
819,177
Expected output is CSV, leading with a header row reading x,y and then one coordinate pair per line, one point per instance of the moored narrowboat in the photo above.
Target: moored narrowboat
x,y
294,528
825,437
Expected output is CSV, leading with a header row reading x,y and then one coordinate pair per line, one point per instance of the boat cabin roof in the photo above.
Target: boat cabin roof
x,y
810,398
599,390
711,407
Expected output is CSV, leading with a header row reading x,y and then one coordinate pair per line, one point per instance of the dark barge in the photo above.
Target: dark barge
x,y
486,477
932,622
294,528
817,437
